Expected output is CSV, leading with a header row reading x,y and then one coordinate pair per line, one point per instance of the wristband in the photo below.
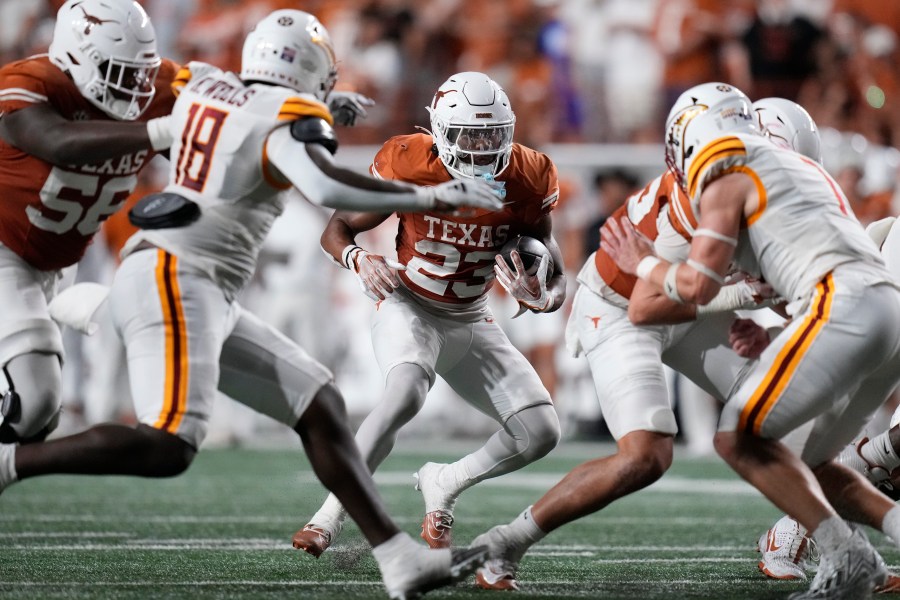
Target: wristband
x,y
646,266
345,255
159,132
670,285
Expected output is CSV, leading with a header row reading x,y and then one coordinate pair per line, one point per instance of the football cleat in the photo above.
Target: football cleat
x,y
437,529
785,549
314,539
439,503
891,585
417,570
852,457
497,574
853,571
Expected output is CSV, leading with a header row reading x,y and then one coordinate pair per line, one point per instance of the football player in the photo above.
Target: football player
x,y
626,360
432,316
76,126
239,141
778,213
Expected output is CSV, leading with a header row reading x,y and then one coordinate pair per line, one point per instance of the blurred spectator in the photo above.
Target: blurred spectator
x,y
612,188
694,37
554,43
781,48
633,76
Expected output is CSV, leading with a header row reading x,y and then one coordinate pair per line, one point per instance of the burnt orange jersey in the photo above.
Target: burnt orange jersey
x,y
450,258
643,209
48,213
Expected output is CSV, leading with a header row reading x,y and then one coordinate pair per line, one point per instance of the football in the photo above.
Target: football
x,y
530,250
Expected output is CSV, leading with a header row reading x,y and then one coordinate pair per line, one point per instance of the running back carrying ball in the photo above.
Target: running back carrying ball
x,y
530,250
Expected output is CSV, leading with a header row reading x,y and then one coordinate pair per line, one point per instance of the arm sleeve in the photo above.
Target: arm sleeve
x,y
293,161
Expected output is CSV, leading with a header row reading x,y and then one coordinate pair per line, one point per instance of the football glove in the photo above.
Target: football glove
x,y
529,290
347,107
377,275
458,193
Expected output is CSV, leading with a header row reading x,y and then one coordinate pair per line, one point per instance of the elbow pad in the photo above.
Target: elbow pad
x,y
313,130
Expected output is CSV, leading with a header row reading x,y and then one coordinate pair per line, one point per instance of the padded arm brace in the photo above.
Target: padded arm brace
x,y
293,161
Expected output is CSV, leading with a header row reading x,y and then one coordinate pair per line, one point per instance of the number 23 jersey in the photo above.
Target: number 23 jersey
x,y
449,258
49,214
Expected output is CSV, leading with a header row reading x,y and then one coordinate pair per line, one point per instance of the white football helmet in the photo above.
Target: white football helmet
x,y
699,116
291,48
108,47
788,125
472,124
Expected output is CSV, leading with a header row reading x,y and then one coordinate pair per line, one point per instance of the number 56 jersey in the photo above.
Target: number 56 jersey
x,y
49,214
449,258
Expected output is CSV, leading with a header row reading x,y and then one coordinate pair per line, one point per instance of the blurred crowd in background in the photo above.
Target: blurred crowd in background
x,y
590,82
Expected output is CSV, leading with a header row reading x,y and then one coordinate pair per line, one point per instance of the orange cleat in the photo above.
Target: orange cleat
x,y
437,529
497,574
313,539
891,585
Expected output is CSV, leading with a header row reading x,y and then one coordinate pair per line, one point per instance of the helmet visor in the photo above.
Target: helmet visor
x,y
130,86
481,145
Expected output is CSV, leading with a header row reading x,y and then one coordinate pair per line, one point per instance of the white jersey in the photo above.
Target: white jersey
x,y
218,160
804,226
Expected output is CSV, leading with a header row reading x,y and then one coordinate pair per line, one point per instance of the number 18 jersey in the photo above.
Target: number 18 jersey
x,y
218,160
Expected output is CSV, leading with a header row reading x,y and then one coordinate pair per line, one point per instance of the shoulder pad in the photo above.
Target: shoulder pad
x,y
313,130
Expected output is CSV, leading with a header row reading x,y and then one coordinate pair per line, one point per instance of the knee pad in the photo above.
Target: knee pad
x,y
31,404
537,428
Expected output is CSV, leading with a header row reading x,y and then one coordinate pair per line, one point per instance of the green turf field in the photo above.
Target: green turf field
x,y
223,530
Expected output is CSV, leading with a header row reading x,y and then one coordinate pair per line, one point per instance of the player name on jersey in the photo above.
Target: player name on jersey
x,y
128,164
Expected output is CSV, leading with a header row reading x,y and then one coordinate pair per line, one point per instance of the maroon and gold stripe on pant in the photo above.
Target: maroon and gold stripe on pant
x,y
782,370
176,359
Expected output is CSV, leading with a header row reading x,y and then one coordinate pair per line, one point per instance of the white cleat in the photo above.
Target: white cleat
x,y
499,572
785,550
417,569
854,571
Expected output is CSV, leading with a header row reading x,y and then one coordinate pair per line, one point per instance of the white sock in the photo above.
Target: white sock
x,y
455,476
330,514
890,526
385,551
8,473
831,533
524,530
879,451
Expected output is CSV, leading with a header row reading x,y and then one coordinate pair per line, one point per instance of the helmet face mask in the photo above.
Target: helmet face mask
x,y
108,48
699,116
788,125
472,125
291,48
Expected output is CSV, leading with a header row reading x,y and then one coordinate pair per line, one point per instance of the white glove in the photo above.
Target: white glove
x,y
377,275
78,305
459,193
159,130
879,230
347,107
745,294
529,290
